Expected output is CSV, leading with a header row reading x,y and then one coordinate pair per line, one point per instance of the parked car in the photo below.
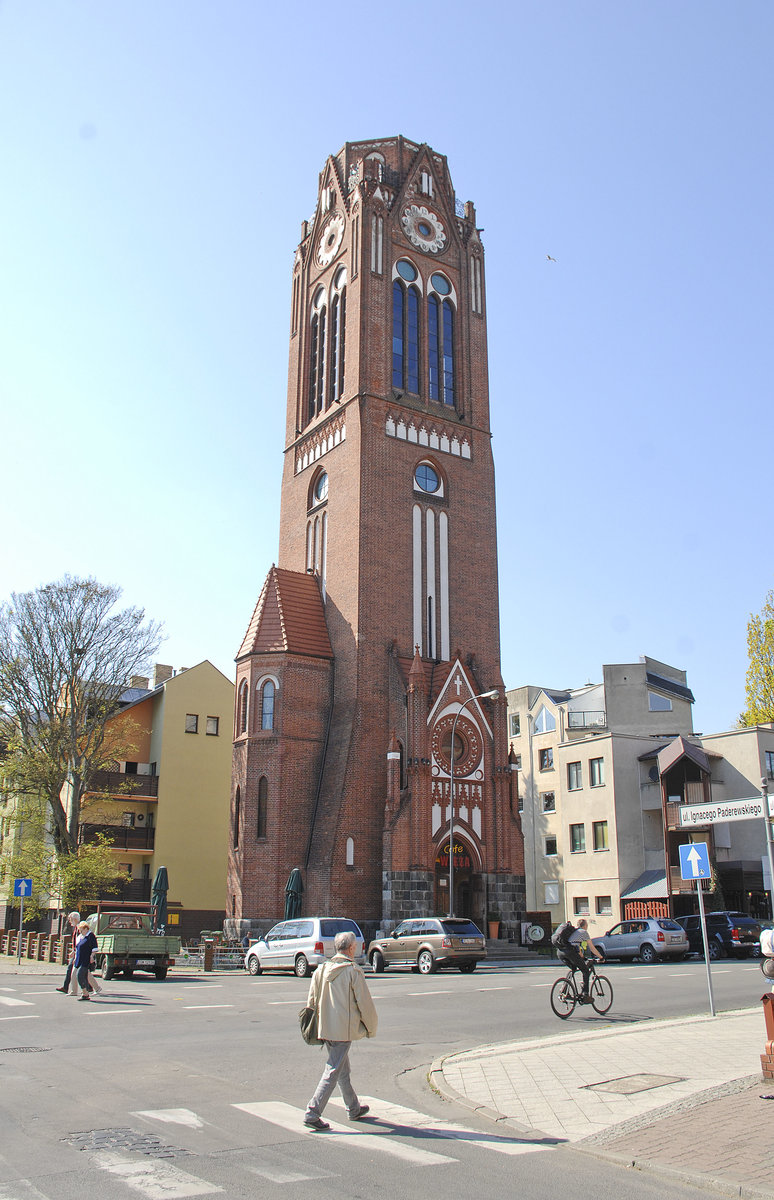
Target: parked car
x,y
428,943
648,939
301,945
731,933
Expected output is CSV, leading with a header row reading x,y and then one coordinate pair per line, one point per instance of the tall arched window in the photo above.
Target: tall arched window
x,y
405,337
337,336
317,353
440,344
263,796
237,814
242,709
267,705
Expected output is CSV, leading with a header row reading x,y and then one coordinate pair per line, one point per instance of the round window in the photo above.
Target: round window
x,y
321,488
407,270
341,278
319,296
441,284
426,478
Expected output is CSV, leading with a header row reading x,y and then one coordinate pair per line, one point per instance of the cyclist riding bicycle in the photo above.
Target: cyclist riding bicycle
x,y
575,954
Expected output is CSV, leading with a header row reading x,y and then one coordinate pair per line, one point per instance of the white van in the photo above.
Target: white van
x,y
301,945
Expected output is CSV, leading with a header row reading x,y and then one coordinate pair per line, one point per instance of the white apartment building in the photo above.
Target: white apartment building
x,y
591,814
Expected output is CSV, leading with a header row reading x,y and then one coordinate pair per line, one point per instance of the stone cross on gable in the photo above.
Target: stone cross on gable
x,y
458,685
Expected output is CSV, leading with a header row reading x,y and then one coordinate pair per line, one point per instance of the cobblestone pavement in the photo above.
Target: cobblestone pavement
x,y
679,1097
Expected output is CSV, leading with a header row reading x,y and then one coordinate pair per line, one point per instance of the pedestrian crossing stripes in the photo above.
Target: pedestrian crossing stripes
x,y
290,1118
396,1115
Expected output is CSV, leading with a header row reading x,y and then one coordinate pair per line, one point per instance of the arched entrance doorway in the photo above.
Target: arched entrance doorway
x,y
467,883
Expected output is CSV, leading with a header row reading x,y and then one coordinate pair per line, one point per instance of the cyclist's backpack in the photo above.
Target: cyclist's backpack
x,y
561,938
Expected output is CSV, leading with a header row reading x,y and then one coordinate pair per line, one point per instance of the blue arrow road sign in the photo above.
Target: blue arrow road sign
x,y
22,887
694,861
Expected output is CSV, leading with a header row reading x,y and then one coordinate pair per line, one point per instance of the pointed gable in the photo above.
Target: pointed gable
x,y
288,618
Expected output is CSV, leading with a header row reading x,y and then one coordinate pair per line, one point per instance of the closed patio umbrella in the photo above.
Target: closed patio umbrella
x,y
293,891
159,898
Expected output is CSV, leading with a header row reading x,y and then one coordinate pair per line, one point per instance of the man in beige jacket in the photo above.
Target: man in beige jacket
x,y
345,1013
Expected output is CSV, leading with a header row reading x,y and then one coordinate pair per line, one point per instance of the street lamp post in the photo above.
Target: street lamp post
x,y
493,694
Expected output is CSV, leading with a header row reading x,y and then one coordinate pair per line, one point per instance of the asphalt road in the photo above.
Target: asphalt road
x,y
197,1086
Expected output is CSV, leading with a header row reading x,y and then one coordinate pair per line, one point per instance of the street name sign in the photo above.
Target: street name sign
x,y
694,860
22,887
725,810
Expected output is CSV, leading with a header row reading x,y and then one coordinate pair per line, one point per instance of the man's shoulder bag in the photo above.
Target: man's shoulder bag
x,y
307,1019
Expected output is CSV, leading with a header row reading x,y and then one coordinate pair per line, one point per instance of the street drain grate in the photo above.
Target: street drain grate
x,y
123,1138
628,1085
25,1049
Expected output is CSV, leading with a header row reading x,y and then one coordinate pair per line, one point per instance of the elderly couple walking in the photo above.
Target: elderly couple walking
x,y
345,1013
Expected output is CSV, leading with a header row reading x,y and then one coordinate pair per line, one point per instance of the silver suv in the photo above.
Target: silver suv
x,y
428,943
648,939
301,945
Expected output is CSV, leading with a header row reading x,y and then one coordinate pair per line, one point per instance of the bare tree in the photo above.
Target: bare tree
x,y
66,656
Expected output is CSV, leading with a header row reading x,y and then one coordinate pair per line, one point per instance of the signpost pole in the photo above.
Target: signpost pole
x,y
769,842
702,918
21,924
695,864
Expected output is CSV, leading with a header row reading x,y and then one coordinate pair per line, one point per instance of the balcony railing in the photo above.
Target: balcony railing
x,y
137,891
118,783
123,837
593,718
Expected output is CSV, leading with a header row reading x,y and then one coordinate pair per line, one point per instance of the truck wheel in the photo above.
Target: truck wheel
x,y
109,968
161,972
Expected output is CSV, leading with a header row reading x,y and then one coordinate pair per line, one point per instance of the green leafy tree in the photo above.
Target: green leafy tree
x,y
66,655
759,685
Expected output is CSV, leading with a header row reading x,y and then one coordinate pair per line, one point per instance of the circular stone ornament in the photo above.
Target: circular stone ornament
x,y
330,240
423,229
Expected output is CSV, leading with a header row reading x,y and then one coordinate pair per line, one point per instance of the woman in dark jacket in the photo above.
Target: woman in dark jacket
x,y
85,946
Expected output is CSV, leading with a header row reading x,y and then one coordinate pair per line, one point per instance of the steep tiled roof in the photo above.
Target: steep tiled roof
x,y
289,617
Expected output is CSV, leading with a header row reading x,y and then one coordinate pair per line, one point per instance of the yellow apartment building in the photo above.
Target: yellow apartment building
x,y
169,805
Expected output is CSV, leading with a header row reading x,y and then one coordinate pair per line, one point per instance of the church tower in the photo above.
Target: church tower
x,y
378,629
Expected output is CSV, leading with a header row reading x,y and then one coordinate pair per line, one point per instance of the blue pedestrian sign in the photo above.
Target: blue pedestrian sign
x,y
22,887
694,861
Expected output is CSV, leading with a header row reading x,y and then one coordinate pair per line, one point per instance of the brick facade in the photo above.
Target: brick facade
x,y
406,575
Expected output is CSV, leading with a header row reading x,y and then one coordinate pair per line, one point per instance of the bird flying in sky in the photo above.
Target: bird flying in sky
x,y
550,259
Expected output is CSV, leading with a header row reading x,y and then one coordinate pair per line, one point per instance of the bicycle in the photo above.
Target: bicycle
x,y
566,993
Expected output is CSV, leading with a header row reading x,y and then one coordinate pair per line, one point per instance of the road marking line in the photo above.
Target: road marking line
x,y
276,1002
438,992
412,1119
13,1001
278,1174
208,1006
192,987
156,1180
501,988
679,974
174,1116
105,1012
287,1117
23,1017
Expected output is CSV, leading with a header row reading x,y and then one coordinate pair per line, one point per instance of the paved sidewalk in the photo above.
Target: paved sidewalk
x,y
679,1097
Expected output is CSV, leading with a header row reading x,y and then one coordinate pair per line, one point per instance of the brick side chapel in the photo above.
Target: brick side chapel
x,y
380,621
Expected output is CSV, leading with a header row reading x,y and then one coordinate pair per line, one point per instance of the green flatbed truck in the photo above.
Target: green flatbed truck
x,y
126,943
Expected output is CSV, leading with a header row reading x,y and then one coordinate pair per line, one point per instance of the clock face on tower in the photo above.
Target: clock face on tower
x,y
423,228
330,240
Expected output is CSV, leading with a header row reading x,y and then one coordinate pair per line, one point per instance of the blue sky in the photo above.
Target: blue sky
x,y
158,160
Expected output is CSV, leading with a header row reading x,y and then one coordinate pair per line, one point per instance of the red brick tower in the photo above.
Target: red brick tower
x,y
382,619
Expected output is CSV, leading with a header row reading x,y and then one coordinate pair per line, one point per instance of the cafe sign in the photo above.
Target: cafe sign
x,y
462,859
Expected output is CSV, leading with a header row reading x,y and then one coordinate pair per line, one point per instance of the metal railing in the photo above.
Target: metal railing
x,y
123,837
118,783
593,718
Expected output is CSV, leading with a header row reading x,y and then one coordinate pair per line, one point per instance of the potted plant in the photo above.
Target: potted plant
x,y
493,920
